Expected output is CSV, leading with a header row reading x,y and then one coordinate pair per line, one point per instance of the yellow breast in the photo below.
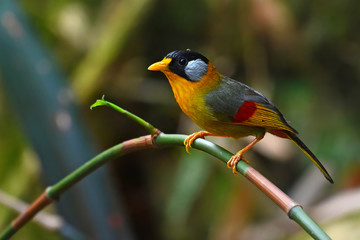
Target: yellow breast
x,y
191,95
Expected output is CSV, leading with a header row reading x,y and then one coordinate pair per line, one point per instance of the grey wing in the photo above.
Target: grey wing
x,y
231,94
226,99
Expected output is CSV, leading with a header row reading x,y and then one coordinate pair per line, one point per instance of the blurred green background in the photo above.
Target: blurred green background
x,y
58,57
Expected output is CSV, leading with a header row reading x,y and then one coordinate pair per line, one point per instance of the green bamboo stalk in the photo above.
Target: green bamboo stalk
x,y
7,233
56,190
289,206
311,227
53,193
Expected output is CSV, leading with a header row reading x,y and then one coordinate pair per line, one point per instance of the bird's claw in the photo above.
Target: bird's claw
x,y
232,163
190,139
187,144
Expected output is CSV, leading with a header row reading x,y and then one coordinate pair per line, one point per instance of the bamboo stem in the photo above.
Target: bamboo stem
x,y
272,191
157,139
40,203
55,191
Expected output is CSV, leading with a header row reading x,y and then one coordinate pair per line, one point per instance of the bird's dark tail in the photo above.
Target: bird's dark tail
x,y
307,151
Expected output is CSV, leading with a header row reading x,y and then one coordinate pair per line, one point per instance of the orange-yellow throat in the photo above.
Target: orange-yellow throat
x,y
191,95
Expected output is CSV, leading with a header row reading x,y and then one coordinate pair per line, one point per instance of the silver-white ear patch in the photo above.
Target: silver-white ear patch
x,y
196,69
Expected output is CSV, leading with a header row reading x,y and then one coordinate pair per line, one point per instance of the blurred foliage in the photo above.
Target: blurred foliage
x,y
303,55
19,171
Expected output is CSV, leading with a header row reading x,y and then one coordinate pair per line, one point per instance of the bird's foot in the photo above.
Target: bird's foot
x,y
190,139
232,163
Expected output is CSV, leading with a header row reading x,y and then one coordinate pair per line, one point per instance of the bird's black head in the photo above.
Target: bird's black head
x,y
188,64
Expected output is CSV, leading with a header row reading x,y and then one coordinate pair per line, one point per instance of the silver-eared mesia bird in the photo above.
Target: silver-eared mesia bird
x,y
223,106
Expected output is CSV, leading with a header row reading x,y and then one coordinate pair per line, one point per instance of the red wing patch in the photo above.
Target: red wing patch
x,y
258,115
245,112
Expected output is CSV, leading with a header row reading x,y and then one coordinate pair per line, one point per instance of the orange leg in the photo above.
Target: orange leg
x,y
239,155
201,134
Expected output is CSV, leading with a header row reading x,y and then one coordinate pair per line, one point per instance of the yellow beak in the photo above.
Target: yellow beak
x,y
160,66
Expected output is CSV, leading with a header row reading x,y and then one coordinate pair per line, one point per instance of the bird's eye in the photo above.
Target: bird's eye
x,y
182,61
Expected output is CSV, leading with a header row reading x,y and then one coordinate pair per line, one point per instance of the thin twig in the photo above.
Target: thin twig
x,y
148,127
